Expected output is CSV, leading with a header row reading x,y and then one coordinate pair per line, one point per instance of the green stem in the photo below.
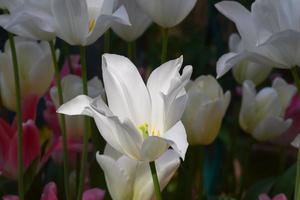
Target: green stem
x,y
19,117
155,181
62,120
165,39
107,41
297,183
86,123
131,51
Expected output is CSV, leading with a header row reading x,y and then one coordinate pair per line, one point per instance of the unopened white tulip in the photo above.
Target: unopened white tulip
x,y
140,121
262,114
72,87
270,33
139,20
205,110
167,13
35,69
131,179
247,70
78,22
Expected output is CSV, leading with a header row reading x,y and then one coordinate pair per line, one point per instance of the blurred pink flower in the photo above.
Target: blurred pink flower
x,y
277,197
49,192
10,197
93,194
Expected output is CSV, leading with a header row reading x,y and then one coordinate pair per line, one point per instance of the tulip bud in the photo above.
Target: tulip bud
x,y
72,86
35,69
205,110
247,70
262,114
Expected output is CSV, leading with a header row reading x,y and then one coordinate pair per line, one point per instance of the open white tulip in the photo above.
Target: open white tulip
x,y
140,121
131,179
247,70
262,114
35,68
139,20
72,87
205,110
167,13
269,41
78,22
18,20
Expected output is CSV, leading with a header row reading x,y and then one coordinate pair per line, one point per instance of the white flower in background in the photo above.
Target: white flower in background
x,y
139,20
18,21
131,179
247,70
296,141
35,69
262,114
140,121
270,33
167,13
72,87
205,110
78,22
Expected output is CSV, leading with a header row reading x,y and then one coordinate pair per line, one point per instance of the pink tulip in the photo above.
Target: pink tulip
x,y
50,192
277,197
10,197
93,194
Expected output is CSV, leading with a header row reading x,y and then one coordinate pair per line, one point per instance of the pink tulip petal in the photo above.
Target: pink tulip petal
x,y
264,197
29,107
10,197
50,192
280,197
5,138
93,194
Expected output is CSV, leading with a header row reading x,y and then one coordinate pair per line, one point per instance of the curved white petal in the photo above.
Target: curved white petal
x,y
296,141
80,105
177,136
153,147
118,181
126,92
71,18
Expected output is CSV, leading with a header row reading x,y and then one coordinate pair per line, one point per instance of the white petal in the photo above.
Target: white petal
x,y
71,20
77,106
271,128
166,167
118,181
111,152
153,147
296,141
177,136
126,92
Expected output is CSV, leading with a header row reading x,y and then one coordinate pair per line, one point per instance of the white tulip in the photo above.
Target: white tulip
x,y
139,20
18,20
247,70
262,114
268,32
140,121
205,110
35,69
78,22
167,13
296,141
72,87
131,179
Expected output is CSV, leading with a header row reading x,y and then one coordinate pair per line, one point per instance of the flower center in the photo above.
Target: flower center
x,y
144,130
92,25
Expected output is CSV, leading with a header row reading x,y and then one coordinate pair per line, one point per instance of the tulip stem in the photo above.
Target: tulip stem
x,y
107,41
62,120
155,181
165,39
19,116
87,124
131,51
297,183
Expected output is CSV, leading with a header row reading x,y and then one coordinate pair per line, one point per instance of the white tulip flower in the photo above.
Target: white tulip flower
x,y
167,13
247,70
140,121
269,34
139,20
205,110
78,22
35,69
72,87
262,114
131,179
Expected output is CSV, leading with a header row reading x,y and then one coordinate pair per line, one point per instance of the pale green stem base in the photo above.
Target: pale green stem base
x,y
155,181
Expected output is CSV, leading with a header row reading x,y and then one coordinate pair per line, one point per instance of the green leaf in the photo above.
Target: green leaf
x,y
30,173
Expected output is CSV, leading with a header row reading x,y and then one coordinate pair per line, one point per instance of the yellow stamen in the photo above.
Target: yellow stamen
x,y
92,25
